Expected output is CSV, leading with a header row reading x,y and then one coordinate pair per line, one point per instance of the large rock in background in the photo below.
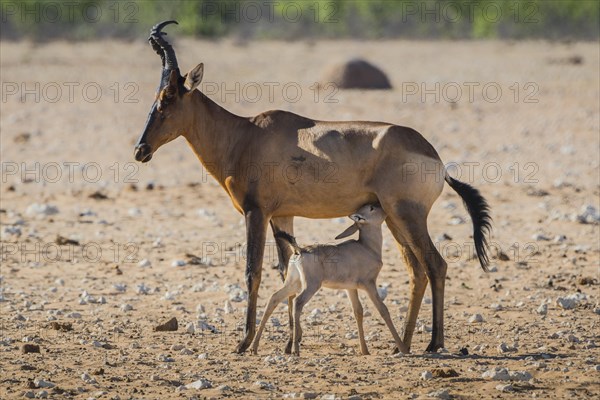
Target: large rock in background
x,y
356,74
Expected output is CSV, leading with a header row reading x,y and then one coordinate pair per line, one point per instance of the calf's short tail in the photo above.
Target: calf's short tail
x,y
285,239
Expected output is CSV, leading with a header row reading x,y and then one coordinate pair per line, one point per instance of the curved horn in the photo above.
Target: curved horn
x,y
157,49
159,43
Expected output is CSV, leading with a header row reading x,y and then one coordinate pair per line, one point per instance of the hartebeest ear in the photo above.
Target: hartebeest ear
x,y
194,77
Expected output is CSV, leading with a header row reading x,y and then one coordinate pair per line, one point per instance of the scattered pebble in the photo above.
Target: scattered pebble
x,y
503,374
169,326
439,394
264,385
145,263
204,326
475,318
165,358
542,309
178,263
30,348
134,212
504,348
11,231
228,307
588,215
444,372
571,301
539,237
88,379
40,383
190,328
41,210
505,388
141,288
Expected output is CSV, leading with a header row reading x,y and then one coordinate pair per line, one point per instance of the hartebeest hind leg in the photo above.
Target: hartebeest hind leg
x,y
256,232
418,284
408,223
285,224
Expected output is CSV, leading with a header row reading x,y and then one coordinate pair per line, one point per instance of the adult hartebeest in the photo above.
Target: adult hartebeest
x,y
336,167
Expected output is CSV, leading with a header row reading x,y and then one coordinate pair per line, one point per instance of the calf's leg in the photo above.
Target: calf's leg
x,y
358,315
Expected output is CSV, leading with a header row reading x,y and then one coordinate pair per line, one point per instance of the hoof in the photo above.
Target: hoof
x,y
241,348
432,348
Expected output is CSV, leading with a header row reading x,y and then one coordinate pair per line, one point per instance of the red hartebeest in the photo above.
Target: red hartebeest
x,y
374,161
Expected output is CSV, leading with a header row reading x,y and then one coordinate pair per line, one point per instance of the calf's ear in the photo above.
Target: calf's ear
x,y
350,231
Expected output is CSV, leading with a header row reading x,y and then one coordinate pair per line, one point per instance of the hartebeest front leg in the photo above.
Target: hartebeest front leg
x,y
256,232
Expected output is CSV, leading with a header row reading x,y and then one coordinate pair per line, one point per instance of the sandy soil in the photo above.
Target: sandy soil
x,y
534,155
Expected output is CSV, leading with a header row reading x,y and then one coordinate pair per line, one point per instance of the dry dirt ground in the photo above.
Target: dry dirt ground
x,y
528,139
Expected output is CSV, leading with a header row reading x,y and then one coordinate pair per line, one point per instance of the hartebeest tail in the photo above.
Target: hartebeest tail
x,y
478,209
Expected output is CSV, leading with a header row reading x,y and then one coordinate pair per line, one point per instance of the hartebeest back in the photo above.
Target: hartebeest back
x,y
373,161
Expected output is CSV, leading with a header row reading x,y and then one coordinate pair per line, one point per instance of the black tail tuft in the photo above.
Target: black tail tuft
x,y
287,239
479,210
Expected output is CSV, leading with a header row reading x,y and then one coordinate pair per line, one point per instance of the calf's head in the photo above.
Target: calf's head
x,y
369,214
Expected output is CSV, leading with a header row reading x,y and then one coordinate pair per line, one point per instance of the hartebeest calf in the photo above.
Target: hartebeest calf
x,y
374,161
351,265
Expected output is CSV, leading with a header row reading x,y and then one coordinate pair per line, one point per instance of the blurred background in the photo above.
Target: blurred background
x,y
358,19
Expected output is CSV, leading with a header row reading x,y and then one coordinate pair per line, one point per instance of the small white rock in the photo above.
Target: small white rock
x,y
505,387
178,263
571,301
539,237
520,376
145,263
120,287
141,288
427,375
190,328
475,318
264,385
542,309
200,384
126,307
134,212
439,394
228,307
40,383
504,348
496,374
36,209
88,379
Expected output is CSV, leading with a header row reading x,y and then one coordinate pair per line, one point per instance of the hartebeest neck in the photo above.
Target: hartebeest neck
x,y
216,135
371,237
